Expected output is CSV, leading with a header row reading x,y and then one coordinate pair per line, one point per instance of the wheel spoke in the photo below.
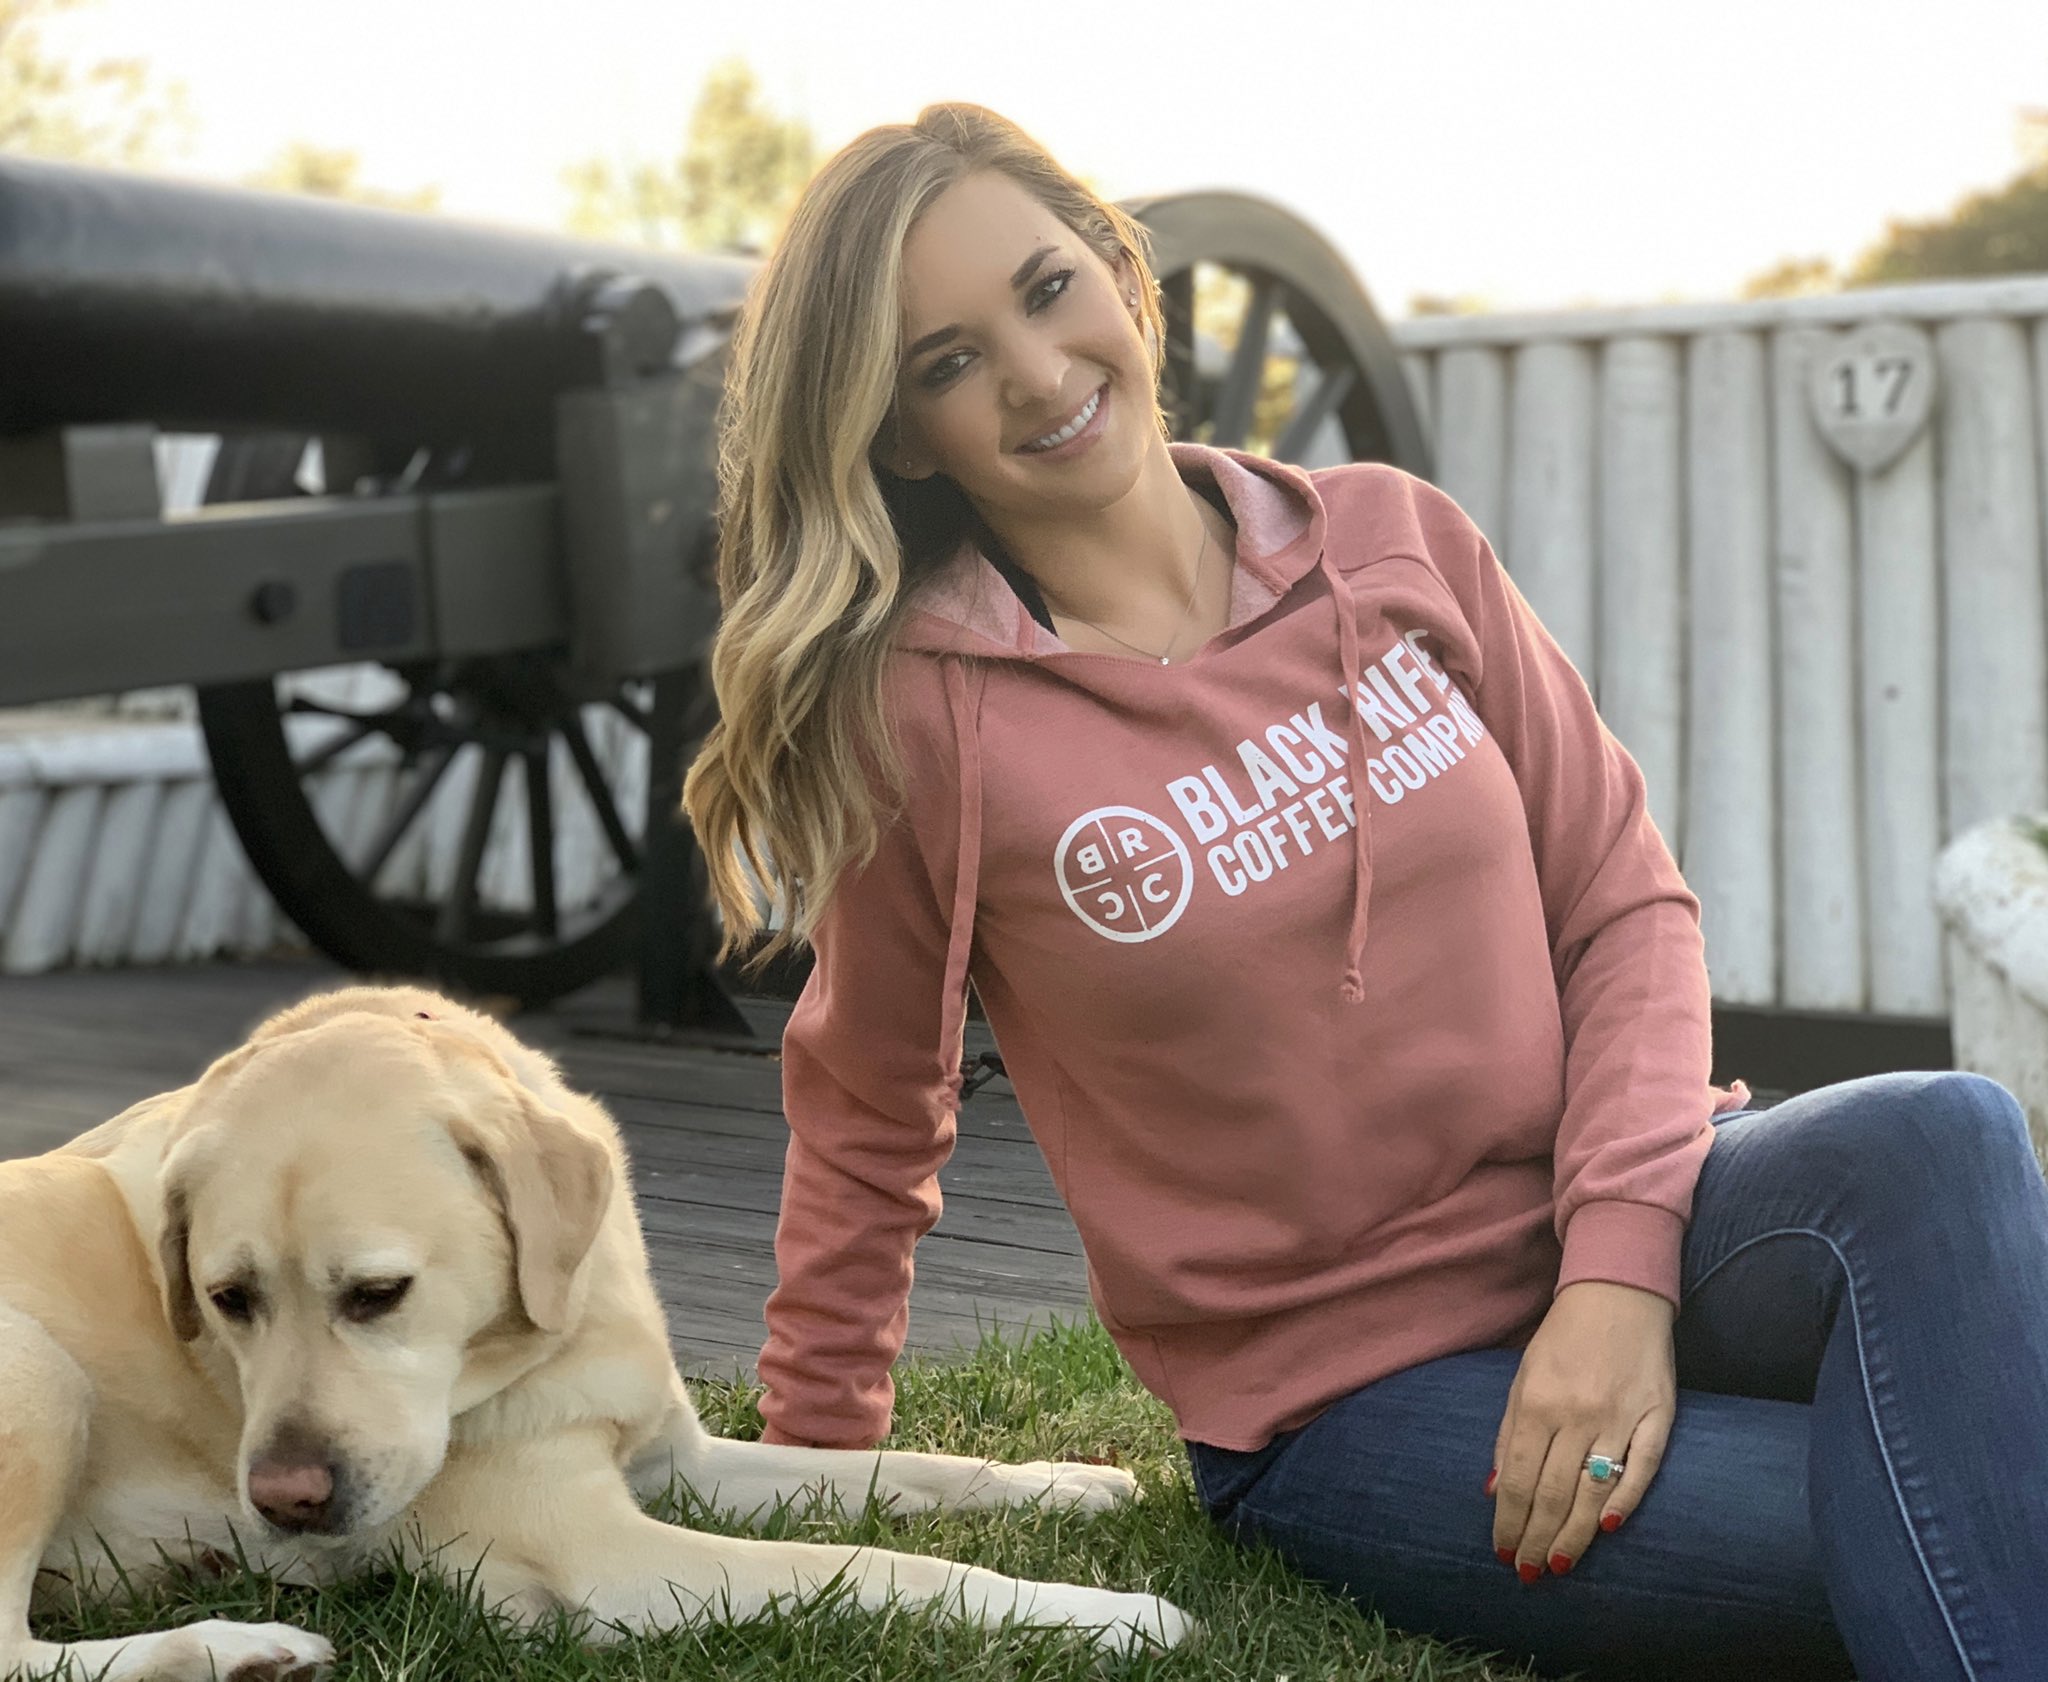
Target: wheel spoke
x,y
1240,393
407,812
453,923
600,795
541,822
334,747
301,704
1331,389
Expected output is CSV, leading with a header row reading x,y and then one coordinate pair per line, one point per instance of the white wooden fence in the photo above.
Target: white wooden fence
x,y
1829,657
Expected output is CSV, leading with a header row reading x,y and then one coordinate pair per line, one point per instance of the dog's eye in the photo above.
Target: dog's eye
x,y
368,1301
235,1303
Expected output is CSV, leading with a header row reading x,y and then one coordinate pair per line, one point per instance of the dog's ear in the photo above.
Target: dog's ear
x,y
181,1306
174,1227
553,1182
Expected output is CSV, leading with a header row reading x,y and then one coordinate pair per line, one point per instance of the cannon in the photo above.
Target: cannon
x,y
459,532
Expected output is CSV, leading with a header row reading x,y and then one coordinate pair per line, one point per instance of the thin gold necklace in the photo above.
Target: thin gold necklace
x,y
1186,613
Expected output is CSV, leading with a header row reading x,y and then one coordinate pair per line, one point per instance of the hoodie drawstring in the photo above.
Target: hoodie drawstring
x,y
966,866
1352,987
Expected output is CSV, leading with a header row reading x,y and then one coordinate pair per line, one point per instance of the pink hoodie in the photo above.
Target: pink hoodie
x,y
1325,1097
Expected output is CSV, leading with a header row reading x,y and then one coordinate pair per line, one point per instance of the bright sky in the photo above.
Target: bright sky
x,y
1534,152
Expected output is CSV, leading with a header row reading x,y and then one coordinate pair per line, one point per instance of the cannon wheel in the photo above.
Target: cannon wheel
x,y
393,877
1309,373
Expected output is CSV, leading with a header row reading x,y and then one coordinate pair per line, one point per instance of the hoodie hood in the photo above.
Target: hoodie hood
x,y
968,618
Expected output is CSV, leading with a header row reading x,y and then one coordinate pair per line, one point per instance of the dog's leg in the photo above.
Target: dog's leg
x,y
45,1415
550,1524
676,1452
747,1478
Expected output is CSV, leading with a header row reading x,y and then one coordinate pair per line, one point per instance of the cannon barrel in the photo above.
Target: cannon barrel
x,y
131,298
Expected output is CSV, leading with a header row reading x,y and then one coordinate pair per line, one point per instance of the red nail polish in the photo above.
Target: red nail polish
x,y
1507,1555
1610,1521
1529,1573
1560,1563
1490,1478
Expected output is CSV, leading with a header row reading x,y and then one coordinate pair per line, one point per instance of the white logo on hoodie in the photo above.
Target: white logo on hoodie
x,y
1128,875
1124,873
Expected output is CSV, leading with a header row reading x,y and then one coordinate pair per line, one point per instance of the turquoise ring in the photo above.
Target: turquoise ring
x,y
1601,1469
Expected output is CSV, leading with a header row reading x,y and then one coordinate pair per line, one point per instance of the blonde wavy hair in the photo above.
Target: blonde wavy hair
x,y
821,547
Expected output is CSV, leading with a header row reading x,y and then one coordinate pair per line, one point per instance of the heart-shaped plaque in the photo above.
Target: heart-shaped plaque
x,y
1872,393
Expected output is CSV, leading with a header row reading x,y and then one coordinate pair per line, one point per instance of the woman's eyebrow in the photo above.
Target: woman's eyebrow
x,y
1018,281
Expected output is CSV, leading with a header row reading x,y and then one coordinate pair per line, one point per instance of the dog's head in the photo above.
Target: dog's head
x,y
375,1210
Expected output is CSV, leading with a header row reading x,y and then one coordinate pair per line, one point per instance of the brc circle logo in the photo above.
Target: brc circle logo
x,y
1124,873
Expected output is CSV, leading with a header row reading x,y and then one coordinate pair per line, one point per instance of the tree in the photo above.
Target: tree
x,y
740,170
1443,303
111,112
331,172
2002,231
1794,277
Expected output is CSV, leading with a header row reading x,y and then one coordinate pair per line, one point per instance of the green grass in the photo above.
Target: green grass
x,y
1062,1394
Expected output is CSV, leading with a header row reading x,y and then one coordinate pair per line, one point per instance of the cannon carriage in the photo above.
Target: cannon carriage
x,y
495,595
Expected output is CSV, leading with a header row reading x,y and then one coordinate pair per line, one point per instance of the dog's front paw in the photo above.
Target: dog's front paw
x,y
1128,1624
1149,1624
1083,1486
218,1650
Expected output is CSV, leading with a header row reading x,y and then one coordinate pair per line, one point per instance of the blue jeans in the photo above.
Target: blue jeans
x,y
1857,1477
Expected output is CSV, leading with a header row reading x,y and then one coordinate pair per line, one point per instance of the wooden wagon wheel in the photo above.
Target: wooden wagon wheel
x,y
1292,361
469,822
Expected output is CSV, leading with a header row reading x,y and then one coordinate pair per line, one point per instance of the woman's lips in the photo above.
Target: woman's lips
x,y
1081,439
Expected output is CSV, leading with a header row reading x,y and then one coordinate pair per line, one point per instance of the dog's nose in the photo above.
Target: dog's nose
x,y
293,1493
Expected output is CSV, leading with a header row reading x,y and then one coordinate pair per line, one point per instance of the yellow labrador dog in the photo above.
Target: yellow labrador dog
x,y
376,1279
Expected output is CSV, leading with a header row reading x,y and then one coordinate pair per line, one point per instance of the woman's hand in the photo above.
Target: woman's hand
x,y
1599,1377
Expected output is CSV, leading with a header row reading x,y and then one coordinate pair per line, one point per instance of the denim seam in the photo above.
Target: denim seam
x,y
1870,1404
1473,1567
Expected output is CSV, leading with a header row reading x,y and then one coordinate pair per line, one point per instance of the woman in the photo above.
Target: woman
x,y
1351,993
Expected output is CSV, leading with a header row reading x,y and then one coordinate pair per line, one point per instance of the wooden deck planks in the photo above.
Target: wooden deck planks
x,y
704,1127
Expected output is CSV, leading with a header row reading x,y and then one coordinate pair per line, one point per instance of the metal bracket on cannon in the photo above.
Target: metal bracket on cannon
x,y
636,454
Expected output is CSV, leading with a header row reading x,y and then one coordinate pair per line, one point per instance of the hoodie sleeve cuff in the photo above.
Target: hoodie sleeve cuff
x,y
1624,1244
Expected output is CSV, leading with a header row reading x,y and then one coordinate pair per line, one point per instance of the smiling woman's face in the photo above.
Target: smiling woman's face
x,y
1013,328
